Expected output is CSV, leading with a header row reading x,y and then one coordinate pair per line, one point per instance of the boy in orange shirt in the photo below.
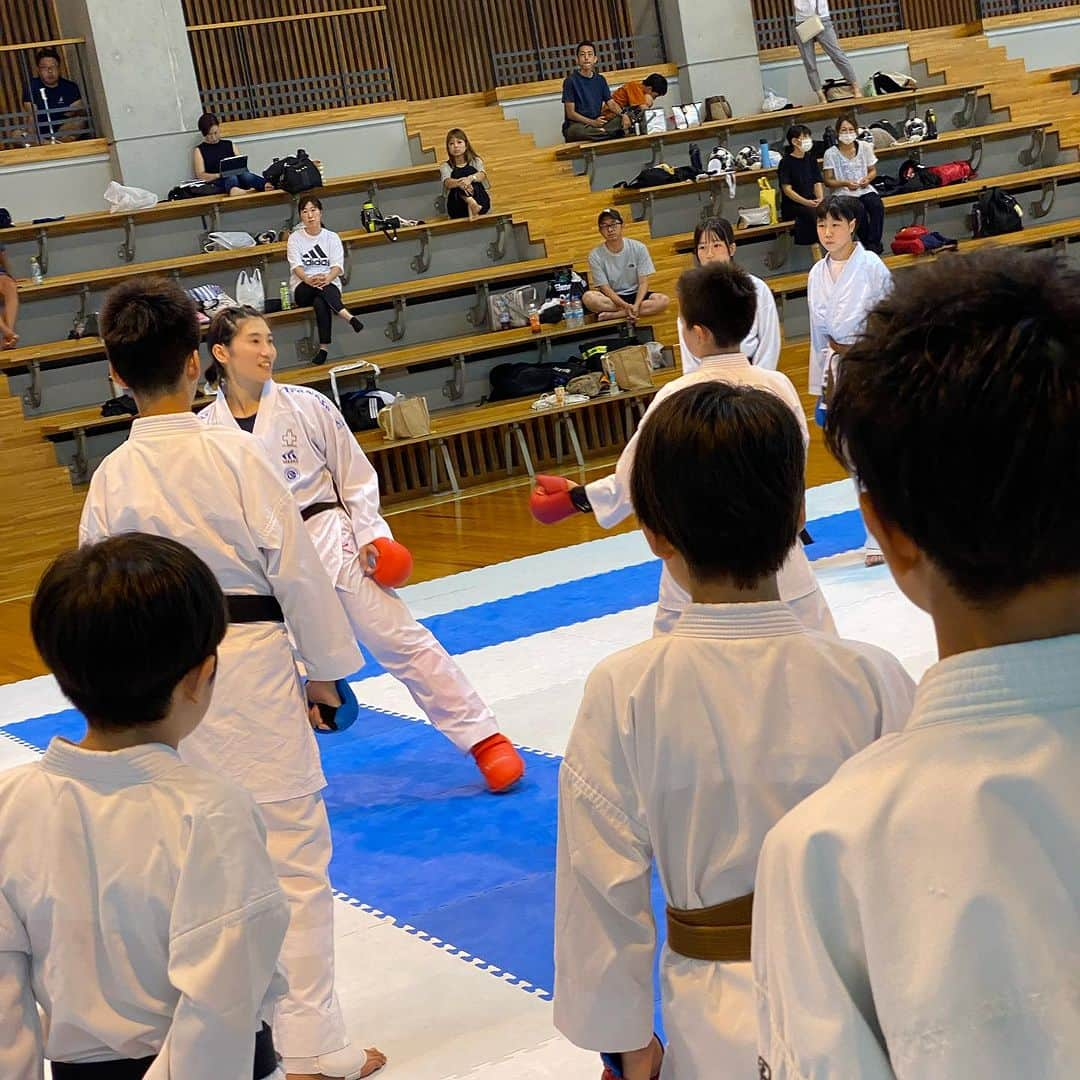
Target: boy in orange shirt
x,y
630,99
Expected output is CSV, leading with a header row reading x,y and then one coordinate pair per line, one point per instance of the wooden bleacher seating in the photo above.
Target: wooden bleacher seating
x,y
722,130
398,296
208,210
716,186
260,255
76,424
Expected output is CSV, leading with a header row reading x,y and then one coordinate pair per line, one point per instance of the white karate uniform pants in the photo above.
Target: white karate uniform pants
x,y
308,1021
383,623
811,610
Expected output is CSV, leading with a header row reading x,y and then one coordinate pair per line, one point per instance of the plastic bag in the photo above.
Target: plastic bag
x,y
773,102
249,289
228,241
121,198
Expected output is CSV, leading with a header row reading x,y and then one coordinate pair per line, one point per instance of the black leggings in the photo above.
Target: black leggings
x,y
873,223
327,303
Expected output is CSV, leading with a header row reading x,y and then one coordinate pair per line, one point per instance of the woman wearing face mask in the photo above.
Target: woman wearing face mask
x,y
841,290
714,242
801,184
850,169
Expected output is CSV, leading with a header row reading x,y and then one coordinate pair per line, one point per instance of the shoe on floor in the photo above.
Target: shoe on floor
x,y
500,763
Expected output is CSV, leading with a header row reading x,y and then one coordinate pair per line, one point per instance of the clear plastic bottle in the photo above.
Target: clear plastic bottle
x,y
286,299
505,322
35,271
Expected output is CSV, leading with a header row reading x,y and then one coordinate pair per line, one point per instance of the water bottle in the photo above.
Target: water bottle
x,y
35,271
763,150
534,318
504,315
931,124
579,310
286,299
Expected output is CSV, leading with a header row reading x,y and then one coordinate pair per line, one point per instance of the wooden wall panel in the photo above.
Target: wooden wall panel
x,y
436,48
25,20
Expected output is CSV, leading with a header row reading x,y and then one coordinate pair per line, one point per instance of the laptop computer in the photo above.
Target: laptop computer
x,y
233,166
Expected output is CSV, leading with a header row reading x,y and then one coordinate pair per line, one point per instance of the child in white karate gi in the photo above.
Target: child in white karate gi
x,y
717,304
215,492
337,491
689,747
148,953
919,916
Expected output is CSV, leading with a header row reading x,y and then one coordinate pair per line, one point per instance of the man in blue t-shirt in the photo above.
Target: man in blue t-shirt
x,y
54,106
584,94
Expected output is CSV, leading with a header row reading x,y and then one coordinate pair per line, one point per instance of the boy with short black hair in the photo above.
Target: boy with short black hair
x,y
689,747
147,951
216,491
585,92
718,303
918,915
632,98
620,269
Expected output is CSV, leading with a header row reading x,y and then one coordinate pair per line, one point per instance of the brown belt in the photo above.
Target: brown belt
x,y
720,933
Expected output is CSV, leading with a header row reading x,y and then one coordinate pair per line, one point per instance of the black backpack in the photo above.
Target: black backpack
x,y
655,175
996,212
516,380
294,174
914,176
193,189
5,218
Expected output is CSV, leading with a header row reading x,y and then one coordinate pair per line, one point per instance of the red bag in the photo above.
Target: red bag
x,y
909,241
953,172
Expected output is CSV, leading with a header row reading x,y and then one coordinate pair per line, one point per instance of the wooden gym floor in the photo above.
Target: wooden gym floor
x,y
445,535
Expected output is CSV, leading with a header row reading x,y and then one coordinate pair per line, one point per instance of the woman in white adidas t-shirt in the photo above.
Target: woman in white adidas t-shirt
x,y
317,260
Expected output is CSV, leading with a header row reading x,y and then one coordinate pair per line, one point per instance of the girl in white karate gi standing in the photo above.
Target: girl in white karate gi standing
x,y
841,290
312,448
714,242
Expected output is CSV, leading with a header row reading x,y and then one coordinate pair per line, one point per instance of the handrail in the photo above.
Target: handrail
x,y
41,44
306,16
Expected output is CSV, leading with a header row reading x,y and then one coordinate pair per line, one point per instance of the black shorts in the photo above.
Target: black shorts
x,y
631,297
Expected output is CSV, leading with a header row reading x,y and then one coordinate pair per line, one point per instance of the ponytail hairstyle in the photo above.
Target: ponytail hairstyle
x,y
471,156
223,328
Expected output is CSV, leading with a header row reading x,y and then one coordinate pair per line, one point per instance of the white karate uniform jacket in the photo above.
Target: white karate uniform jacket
x,y
918,916
687,749
214,491
610,496
139,908
838,309
310,444
761,346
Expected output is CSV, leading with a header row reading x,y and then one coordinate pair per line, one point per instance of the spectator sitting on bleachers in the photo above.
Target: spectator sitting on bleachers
x,y
585,92
317,260
54,106
212,151
620,269
634,97
9,303
463,177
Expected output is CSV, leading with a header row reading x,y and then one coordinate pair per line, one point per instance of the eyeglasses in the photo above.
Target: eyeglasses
x,y
609,225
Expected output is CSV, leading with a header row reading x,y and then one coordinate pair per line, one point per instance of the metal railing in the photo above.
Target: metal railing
x,y
879,17
988,9
40,120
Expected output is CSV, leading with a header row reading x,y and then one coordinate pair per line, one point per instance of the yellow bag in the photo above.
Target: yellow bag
x,y
405,419
767,197
631,366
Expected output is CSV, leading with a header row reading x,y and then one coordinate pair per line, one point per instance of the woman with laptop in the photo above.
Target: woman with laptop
x,y
217,163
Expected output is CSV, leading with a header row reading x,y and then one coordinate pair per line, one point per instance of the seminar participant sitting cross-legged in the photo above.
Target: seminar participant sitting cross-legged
x,y
620,269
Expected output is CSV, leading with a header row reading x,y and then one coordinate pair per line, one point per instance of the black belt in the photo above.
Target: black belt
x,y
318,508
249,609
135,1069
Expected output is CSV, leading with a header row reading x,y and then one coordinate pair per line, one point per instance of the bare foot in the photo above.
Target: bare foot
x,y
607,315
474,209
874,558
376,1059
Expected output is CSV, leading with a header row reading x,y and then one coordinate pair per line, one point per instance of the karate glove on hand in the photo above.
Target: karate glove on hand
x,y
555,498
